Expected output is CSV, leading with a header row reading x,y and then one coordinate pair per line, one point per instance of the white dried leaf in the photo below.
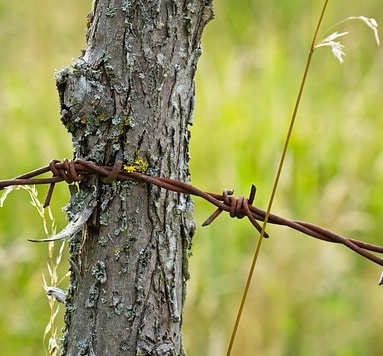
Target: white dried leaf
x,y
75,225
58,293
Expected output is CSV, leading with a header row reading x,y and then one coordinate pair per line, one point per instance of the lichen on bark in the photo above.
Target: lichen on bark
x,y
132,91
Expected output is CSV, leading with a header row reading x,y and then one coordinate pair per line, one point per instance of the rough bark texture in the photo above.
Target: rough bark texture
x,y
132,91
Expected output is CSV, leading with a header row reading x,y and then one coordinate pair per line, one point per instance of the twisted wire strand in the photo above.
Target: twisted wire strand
x,y
72,171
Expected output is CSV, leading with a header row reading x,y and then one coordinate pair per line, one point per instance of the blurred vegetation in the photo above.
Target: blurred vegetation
x,y
307,297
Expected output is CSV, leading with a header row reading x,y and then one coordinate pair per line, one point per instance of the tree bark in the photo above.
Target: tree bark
x,y
132,92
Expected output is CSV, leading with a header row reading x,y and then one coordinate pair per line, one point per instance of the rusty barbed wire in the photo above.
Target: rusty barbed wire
x,y
72,171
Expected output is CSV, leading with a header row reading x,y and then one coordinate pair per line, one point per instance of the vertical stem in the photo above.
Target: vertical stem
x,y
276,181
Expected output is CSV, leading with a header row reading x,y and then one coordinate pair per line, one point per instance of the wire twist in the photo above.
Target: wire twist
x,y
77,170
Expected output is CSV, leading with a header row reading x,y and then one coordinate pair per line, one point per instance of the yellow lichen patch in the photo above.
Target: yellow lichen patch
x,y
89,19
129,169
139,165
125,120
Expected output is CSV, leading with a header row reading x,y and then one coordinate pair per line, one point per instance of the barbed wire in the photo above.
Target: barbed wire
x,y
77,170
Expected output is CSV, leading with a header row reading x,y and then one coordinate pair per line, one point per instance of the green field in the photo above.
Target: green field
x,y
308,297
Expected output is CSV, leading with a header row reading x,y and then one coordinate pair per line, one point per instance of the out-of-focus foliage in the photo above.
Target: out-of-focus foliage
x,y
308,297
36,38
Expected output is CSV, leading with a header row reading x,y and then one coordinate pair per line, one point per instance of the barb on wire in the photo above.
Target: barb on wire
x,y
77,170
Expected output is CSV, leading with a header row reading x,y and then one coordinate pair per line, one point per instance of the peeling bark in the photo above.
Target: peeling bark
x,y
132,90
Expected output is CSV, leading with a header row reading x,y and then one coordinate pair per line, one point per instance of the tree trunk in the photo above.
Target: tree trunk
x,y
132,92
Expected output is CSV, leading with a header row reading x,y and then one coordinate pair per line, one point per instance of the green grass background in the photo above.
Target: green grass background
x,y
307,297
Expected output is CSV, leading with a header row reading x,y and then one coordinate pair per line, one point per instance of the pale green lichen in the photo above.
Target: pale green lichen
x,y
83,347
105,218
61,76
126,7
110,11
103,240
124,346
93,295
143,262
99,271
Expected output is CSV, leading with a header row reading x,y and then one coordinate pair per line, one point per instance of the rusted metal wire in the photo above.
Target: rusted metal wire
x,y
77,170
